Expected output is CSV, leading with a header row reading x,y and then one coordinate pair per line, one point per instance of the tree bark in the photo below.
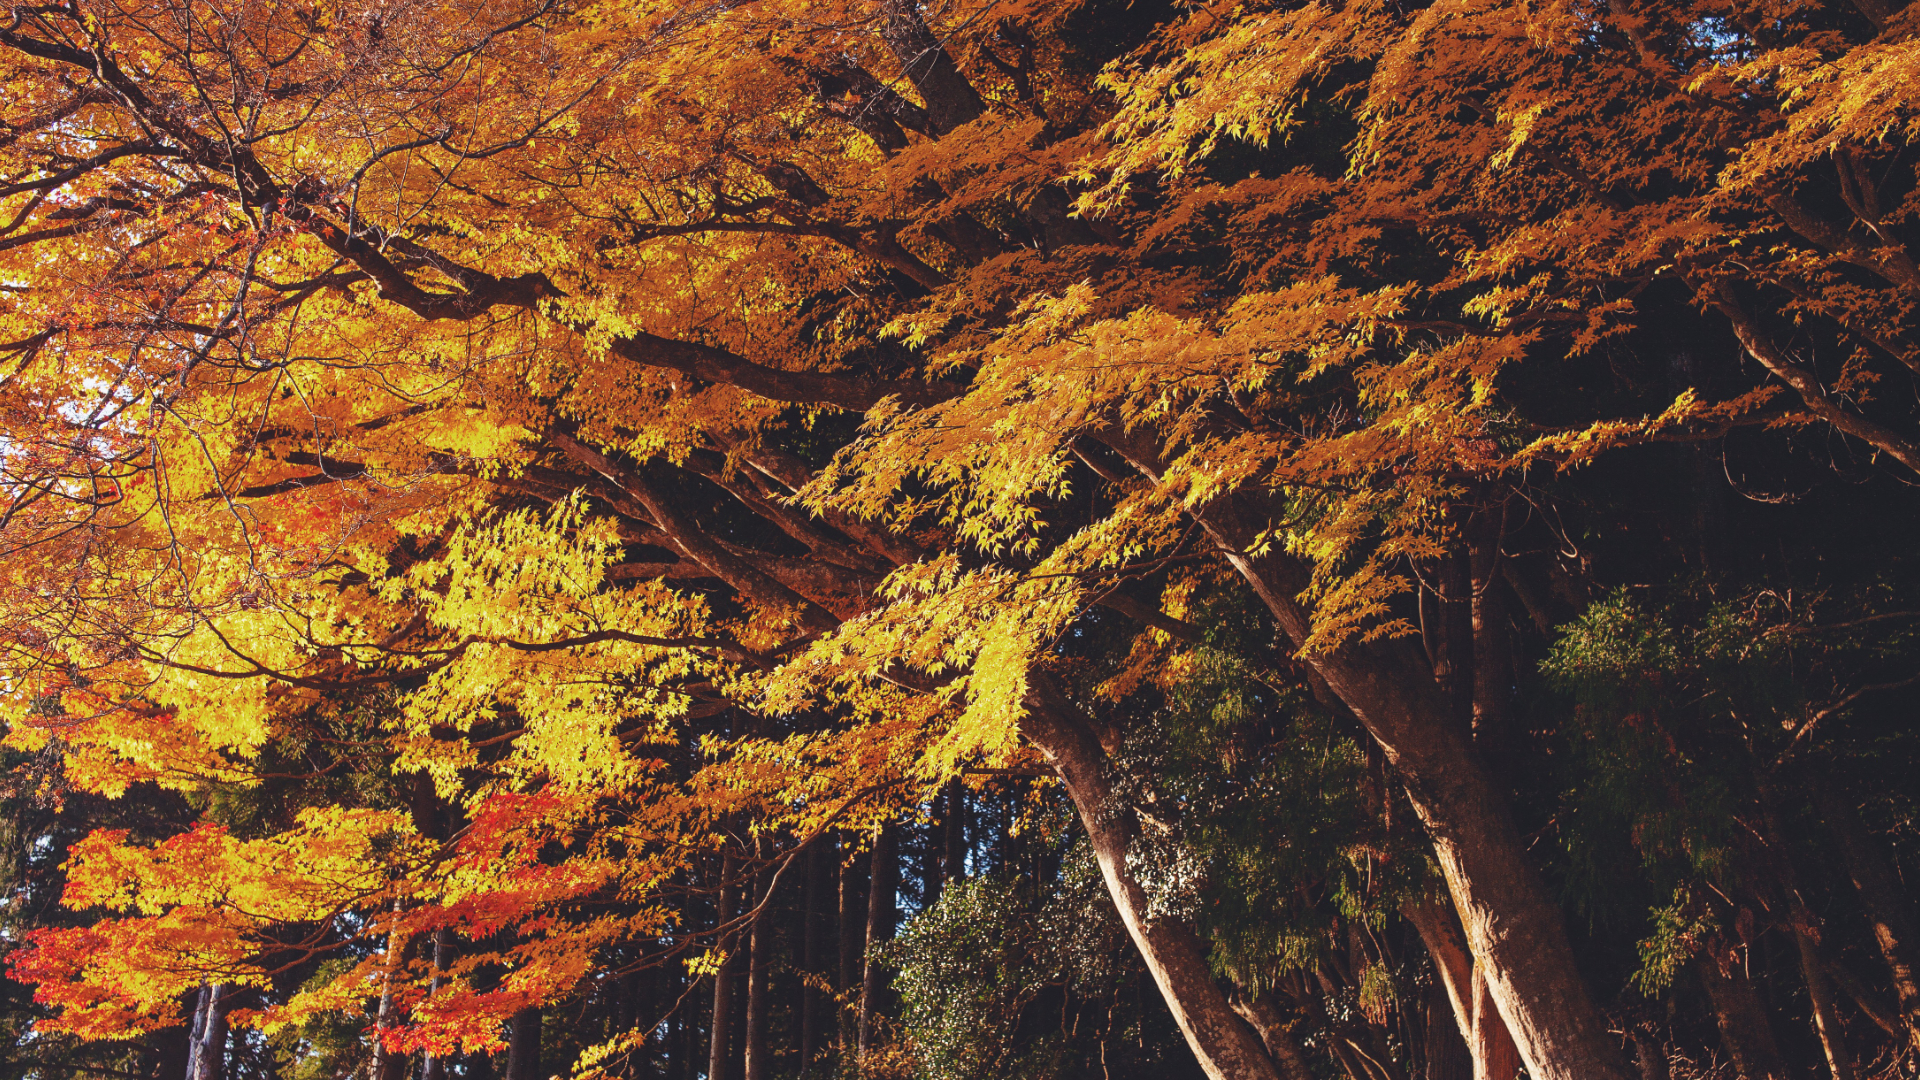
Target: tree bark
x,y
1886,905
760,949
812,953
523,1045
882,890
720,1030
1826,1020
1742,1018
852,938
1513,928
433,1066
1266,1019
1495,1057
954,864
1173,953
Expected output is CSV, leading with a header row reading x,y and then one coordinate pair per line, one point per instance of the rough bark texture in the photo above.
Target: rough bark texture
x,y
1880,894
1495,1057
1742,1019
1173,953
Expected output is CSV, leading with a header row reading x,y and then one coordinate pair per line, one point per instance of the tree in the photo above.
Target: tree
x,y
581,380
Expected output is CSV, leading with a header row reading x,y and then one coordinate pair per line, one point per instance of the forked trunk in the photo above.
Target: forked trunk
x,y
1226,1048
1513,928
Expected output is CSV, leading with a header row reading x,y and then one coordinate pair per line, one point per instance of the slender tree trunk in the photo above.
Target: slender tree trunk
x,y
955,863
720,1031
812,952
932,874
1885,903
882,886
760,950
523,1045
1826,1020
432,1066
1173,953
853,937
1513,927
1742,1017
1446,1050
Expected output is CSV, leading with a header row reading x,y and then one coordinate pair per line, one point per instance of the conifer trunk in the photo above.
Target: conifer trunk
x,y
720,1030
760,948
1173,953
853,923
882,888
523,1045
812,953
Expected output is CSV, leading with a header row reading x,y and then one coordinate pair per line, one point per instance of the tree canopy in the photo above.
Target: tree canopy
x,y
1355,539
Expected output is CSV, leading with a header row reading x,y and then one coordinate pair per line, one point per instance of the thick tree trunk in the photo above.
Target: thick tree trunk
x,y
1495,1057
1885,903
1742,1018
760,950
1491,1050
1446,1053
1173,953
720,1031
1266,1019
812,953
523,1045
1513,927
207,1035
882,890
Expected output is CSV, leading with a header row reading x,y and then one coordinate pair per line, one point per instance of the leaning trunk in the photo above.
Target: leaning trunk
x,y
1513,928
1893,924
1173,953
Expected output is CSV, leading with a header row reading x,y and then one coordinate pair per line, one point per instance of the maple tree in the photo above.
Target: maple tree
x,y
640,444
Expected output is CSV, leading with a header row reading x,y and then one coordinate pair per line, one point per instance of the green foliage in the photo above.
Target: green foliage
x,y
972,966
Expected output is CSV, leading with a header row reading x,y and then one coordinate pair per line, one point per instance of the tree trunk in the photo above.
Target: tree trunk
x,y
760,949
432,1066
812,953
1495,1057
1266,1019
1886,905
1445,1048
1492,643
720,1031
1513,927
853,936
523,1045
1741,1016
1826,1021
1173,953
882,888
955,862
